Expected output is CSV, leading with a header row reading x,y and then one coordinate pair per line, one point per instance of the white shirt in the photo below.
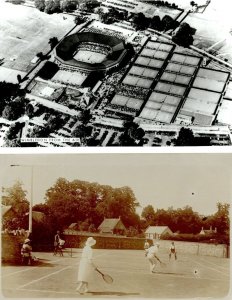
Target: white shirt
x,y
153,250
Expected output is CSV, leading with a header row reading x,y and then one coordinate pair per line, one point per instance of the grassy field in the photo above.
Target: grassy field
x,y
189,277
25,31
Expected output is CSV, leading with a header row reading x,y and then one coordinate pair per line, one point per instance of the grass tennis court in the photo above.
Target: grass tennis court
x,y
154,63
189,277
177,68
141,71
159,46
185,59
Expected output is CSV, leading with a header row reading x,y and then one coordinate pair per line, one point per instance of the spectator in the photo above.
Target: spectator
x,y
26,252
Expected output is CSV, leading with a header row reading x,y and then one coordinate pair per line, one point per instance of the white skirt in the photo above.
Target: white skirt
x,y
85,269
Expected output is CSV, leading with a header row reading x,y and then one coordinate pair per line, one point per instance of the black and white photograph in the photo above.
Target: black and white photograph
x,y
148,73
115,225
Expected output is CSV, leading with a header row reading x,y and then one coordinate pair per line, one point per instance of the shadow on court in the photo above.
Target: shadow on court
x,y
109,293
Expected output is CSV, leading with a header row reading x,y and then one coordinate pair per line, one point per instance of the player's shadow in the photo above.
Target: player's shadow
x,y
110,293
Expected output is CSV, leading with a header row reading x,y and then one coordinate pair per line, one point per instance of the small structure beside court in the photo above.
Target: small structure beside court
x,y
155,232
113,226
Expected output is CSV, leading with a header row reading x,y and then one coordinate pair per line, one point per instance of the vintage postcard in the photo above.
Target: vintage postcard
x,y
80,73
116,225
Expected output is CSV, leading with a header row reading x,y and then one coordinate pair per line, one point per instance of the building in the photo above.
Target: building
x,y
208,231
89,52
112,226
155,232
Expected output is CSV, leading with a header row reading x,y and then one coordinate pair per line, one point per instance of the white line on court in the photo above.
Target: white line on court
x,y
171,275
203,265
218,266
25,270
46,276
49,291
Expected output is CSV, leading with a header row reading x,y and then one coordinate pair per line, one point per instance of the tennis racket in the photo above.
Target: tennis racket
x,y
107,278
162,264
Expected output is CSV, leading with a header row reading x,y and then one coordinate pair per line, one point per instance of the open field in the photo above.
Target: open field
x,y
189,277
25,31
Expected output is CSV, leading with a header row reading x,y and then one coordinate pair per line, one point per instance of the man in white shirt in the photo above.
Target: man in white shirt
x,y
152,255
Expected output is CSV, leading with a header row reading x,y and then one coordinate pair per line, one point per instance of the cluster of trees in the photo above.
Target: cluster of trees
x,y
57,6
81,200
183,35
189,223
16,197
159,3
133,135
87,204
187,138
111,15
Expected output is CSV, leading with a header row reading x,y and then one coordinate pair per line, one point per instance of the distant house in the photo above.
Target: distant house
x,y
208,231
154,232
113,226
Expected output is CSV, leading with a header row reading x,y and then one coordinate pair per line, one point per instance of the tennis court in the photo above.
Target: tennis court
x,y
129,102
175,78
159,46
170,88
186,59
141,71
137,81
190,276
155,53
154,63
177,68
201,101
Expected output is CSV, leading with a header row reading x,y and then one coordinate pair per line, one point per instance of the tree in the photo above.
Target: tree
x,y
53,42
132,136
140,22
148,214
156,23
80,201
68,5
183,35
79,19
185,137
40,4
15,196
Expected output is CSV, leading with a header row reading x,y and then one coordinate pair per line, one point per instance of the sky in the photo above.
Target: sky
x,y
162,180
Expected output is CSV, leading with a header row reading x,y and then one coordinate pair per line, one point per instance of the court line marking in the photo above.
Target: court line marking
x,y
170,275
218,266
43,277
210,268
48,275
25,270
48,291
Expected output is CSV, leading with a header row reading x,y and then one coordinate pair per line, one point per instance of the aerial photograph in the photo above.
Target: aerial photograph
x,y
106,225
80,73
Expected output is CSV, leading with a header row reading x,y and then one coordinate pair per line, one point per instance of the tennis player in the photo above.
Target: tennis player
x,y
172,251
86,266
152,255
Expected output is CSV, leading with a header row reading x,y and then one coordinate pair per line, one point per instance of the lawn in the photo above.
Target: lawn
x,y
190,276
25,31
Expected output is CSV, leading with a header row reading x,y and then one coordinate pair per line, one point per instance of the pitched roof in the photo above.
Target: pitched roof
x,y
109,224
37,216
72,226
156,229
5,209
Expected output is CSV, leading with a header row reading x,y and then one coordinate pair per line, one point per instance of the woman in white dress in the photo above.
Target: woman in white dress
x,y
86,266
